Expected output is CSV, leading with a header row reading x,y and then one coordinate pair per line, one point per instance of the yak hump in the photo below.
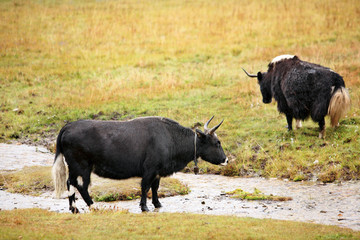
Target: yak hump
x,y
282,57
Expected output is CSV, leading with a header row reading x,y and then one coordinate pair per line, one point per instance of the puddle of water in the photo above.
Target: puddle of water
x,y
325,204
13,156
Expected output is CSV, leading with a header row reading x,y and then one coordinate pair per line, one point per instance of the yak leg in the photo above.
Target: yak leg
x,y
154,189
298,123
82,187
146,182
322,128
81,183
71,195
289,119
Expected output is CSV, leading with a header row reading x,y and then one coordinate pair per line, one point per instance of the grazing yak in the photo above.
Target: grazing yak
x,y
148,147
304,89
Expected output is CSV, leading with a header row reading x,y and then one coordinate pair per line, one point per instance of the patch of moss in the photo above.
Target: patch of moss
x,y
256,195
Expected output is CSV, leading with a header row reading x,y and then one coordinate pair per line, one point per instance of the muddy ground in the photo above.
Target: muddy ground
x,y
333,204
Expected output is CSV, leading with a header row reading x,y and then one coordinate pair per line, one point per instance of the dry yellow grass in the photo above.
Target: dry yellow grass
x,y
59,37
41,224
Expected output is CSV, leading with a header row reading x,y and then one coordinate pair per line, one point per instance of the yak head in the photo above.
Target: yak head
x,y
209,147
265,85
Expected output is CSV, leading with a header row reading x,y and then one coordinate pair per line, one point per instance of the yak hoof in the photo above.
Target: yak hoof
x,y
157,205
144,209
74,210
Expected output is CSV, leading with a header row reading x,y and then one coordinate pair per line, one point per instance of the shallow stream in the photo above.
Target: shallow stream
x,y
333,204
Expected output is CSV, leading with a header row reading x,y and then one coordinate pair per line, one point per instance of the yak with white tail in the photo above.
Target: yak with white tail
x,y
304,89
149,147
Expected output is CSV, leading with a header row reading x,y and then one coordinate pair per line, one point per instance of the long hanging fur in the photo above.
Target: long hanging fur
x,y
339,105
59,174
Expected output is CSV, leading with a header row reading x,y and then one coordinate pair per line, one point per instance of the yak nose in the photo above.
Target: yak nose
x,y
225,162
266,101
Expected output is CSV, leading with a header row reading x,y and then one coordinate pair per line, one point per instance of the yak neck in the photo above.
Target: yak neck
x,y
184,145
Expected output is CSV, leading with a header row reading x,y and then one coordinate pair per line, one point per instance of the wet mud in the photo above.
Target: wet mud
x,y
332,204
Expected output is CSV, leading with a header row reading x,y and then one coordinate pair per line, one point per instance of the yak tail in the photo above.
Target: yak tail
x,y
59,170
339,105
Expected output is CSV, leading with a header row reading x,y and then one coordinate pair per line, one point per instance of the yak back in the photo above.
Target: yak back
x,y
302,88
122,150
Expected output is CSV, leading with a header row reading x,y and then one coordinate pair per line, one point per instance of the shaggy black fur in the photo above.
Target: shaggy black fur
x,y
301,89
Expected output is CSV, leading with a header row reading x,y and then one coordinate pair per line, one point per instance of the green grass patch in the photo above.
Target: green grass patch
x,y
37,180
256,195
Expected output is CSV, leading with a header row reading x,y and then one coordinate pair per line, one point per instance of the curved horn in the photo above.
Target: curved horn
x,y
216,127
206,129
250,75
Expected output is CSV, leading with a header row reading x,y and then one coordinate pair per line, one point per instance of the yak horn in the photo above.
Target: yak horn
x,y
206,124
216,127
250,75
212,130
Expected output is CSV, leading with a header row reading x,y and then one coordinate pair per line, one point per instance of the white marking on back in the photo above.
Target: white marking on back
x,y
282,57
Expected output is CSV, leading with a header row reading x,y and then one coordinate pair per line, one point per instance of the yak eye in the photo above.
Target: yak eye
x,y
218,144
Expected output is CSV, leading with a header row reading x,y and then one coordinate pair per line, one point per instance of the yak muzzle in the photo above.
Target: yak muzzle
x,y
225,162
266,101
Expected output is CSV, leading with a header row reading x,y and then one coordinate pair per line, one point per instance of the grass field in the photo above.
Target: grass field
x,y
40,224
66,60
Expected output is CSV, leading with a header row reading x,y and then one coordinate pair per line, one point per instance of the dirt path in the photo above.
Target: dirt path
x,y
334,204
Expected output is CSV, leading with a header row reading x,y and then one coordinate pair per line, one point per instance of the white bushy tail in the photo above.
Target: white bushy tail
x,y
59,174
339,105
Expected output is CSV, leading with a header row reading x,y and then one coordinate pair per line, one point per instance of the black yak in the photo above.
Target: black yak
x,y
149,147
304,89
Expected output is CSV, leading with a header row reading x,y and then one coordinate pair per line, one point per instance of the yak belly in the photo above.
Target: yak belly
x,y
118,162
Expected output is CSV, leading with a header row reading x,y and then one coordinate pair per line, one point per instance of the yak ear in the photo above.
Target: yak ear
x,y
200,134
259,76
